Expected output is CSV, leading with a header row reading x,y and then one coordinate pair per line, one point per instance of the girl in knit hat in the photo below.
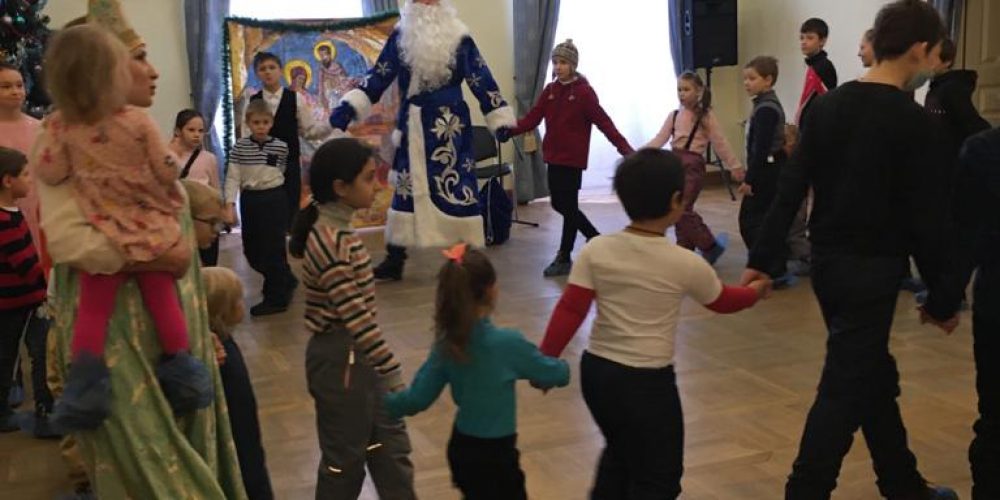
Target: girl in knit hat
x,y
570,108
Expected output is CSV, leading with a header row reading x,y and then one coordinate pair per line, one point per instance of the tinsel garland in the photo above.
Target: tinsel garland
x,y
275,25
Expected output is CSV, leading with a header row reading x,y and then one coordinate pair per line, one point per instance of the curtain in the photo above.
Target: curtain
x,y
534,33
372,7
204,21
951,13
676,29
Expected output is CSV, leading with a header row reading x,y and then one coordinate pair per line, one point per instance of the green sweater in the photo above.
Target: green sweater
x,y
483,386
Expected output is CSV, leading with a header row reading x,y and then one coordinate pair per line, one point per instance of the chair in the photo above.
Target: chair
x,y
485,147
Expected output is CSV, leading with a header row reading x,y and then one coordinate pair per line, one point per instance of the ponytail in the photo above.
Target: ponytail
x,y
337,159
464,282
302,225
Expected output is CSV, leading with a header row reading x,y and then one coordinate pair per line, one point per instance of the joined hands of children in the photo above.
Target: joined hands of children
x,y
738,175
760,282
948,326
229,217
744,189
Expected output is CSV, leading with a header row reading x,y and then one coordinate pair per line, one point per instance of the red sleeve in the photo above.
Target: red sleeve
x,y
733,299
534,117
597,116
566,319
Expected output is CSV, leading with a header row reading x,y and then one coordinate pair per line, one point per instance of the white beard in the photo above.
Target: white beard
x,y
429,36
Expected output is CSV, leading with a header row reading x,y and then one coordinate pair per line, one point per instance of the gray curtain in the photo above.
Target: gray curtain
x,y
676,29
534,34
951,12
372,7
204,21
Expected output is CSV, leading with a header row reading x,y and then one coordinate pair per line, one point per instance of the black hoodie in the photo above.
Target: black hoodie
x,y
950,101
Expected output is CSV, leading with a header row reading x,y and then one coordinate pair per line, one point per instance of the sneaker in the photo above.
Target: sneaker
x,y
16,396
8,422
389,270
712,254
39,425
558,267
86,399
185,382
267,308
799,267
787,281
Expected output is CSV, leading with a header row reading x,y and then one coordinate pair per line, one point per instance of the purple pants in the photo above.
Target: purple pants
x,y
691,229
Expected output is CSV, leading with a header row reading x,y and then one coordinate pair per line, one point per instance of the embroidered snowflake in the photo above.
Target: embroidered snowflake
x,y
404,184
496,100
480,61
448,125
383,68
469,164
474,81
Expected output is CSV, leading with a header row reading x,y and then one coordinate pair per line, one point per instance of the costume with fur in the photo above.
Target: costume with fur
x,y
430,54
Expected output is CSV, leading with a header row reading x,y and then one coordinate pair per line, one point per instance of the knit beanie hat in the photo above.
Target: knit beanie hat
x,y
108,13
567,51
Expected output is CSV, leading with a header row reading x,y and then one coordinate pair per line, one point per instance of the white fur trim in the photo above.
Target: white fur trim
x,y
427,226
358,100
500,117
397,137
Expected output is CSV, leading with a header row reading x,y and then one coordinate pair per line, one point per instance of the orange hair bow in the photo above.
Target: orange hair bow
x,y
456,253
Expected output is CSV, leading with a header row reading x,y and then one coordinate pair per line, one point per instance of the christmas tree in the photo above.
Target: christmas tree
x,y
23,32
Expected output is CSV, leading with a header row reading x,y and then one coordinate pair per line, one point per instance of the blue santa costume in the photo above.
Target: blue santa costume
x,y
436,201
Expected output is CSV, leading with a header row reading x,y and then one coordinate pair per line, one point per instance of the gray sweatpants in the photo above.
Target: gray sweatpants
x,y
353,426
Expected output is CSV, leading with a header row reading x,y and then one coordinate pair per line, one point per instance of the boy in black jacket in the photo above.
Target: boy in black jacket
x,y
950,100
881,194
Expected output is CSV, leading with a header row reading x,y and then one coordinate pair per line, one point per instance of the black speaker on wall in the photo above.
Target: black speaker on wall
x,y
709,33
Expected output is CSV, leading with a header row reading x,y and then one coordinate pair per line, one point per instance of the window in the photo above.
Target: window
x,y
625,55
295,9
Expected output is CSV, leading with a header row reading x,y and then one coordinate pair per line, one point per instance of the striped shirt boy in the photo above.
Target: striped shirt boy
x,y
255,166
22,281
340,289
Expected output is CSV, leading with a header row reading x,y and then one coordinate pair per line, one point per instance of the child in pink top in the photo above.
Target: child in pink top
x,y
693,127
18,132
197,165
125,181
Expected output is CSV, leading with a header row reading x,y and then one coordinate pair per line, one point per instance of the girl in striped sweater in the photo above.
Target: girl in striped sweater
x,y
349,366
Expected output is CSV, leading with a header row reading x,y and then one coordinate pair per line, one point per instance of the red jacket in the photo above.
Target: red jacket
x,y
569,110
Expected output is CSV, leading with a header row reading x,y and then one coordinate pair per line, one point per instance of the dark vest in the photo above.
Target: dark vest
x,y
286,125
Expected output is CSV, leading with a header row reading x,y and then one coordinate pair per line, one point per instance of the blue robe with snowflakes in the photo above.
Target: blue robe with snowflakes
x,y
436,196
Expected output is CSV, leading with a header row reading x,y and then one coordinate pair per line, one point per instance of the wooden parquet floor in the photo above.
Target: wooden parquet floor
x,y
746,383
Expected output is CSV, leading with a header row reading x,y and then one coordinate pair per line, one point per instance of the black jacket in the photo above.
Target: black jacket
x,y
950,101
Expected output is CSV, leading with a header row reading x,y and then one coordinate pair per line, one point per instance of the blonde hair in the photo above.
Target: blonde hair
x,y
223,291
257,107
87,73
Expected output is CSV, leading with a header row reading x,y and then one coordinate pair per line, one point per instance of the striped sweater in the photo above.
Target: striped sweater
x,y
22,281
340,289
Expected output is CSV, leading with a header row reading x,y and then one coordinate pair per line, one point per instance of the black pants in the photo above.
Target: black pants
x,y
244,423
639,413
564,186
984,453
210,256
859,384
486,469
293,189
263,216
753,210
14,324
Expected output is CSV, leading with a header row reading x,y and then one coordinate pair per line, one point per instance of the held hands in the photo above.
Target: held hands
x,y
220,352
744,189
758,281
738,175
229,217
948,326
545,389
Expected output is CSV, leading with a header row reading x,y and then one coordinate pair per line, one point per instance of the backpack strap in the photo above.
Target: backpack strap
x,y
187,166
694,130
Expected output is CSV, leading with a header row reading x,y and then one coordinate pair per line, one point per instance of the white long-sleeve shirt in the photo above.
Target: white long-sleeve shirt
x,y
309,127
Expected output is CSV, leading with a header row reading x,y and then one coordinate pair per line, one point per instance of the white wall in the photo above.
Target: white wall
x,y
161,23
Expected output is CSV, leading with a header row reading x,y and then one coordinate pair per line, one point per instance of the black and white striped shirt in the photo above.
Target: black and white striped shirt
x,y
255,166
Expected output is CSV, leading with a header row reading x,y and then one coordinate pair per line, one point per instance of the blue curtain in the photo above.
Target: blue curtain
x,y
372,7
951,13
534,34
676,29
204,21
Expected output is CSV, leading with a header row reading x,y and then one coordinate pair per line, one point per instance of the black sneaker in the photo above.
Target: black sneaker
x,y
267,309
559,267
389,270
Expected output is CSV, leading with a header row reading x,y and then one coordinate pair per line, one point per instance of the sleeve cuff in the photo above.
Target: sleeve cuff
x,y
359,101
500,117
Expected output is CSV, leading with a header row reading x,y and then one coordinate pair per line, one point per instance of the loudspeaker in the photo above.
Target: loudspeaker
x,y
709,33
